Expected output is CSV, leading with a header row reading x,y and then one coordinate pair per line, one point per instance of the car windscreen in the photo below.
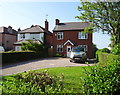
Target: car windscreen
x,y
77,49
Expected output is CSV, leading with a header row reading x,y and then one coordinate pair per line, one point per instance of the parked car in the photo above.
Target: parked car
x,y
2,49
78,54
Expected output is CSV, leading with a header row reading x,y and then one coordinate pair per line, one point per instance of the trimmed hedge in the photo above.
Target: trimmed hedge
x,y
106,58
10,57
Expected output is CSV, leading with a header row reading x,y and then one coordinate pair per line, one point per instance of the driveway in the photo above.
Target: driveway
x,y
37,64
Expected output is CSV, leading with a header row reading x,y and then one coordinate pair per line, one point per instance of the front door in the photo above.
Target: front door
x,y
68,51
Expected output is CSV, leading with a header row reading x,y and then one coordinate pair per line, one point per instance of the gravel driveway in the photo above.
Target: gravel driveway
x,y
37,64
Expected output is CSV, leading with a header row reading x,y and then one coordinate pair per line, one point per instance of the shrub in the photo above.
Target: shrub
x,y
94,50
106,58
39,49
106,50
101,80
116,49
43,80
57,55
9,57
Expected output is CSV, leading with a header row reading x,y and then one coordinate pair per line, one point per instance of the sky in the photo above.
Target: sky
x,y
24,14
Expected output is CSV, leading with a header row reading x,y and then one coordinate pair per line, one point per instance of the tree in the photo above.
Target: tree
x,y
104,16
39,49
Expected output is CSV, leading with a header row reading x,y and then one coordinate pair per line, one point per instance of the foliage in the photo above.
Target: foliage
x,y
94,50
13,84
116,49
32,82
42,80
102,15
106,50
40,49
57,55
17,56
102,80
106,58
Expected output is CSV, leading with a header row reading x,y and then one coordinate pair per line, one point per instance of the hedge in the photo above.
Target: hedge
x,y
106,58
10,57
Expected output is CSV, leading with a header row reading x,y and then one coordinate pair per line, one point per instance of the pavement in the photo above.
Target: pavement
x,y
37,64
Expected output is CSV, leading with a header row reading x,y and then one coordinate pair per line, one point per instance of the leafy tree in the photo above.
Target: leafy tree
x,y
104,16
94,50
40,49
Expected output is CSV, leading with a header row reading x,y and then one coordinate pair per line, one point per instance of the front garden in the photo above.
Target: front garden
x,y
99,79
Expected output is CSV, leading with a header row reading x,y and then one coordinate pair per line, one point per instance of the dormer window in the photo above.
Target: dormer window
x,y
82,35
59,35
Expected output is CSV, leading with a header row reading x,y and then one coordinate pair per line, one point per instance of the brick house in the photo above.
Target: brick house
x,y
34,33
7,37
68,35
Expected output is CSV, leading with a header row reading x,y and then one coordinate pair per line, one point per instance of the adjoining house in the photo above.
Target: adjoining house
x,y
34,33
68,35
7,37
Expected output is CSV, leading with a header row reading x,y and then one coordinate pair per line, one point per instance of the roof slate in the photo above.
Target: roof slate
x,y
4,30
33,29
71,26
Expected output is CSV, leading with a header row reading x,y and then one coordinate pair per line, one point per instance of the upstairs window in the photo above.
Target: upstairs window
x,y
82,35
22,36
59,48
60,35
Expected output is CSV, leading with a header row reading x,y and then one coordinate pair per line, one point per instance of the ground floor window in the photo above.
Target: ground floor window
x,y
17,48
83,46
59,48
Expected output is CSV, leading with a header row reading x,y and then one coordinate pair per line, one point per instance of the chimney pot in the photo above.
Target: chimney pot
x,y
46,25
57,21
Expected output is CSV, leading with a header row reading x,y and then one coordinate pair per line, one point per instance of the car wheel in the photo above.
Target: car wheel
x,y
70,60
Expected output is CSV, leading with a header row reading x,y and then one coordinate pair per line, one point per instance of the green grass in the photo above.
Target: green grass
x,y
71,77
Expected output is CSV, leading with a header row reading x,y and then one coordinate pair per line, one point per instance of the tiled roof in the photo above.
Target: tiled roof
x,y
5,30
33,29
71,26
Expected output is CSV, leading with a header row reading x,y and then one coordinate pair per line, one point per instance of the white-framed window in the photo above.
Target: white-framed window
x,y
22,36
83,46
59,48
17,48
60,35
82,35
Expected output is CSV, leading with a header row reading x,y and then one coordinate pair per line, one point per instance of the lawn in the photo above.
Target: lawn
x,y
71,79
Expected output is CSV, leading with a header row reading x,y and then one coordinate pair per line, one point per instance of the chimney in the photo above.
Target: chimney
x,y
9,29
57,21
19,29
46,25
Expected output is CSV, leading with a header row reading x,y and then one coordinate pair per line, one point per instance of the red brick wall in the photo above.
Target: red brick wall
x,y
9,40
0,39
73,36
48,39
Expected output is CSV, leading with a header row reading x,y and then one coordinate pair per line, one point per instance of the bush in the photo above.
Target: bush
x,y
106,58
101,80
106,50
9,57
57,55
116,49
40,49
42,80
